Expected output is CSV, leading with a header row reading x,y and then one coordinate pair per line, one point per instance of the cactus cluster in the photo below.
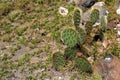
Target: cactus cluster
x,y
83,65
94,16
58,61
69,37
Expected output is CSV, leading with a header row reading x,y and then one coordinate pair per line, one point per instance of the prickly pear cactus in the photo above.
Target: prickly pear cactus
x,y
81,35
103,23
83,65
88,27
111,2
70,53
94,17
77,17
69,37
58,61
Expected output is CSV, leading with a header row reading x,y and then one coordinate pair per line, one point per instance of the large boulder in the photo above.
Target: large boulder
x,y
108,67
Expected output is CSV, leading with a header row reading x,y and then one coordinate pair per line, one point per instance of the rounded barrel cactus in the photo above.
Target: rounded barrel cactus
x,y
70,53
58,61
83,65
77,17
94,17
69,37
103,23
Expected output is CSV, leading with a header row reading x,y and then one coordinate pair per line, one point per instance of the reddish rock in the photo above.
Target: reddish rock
x,y
108,67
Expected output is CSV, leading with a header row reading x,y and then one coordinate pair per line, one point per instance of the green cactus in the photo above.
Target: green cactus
x,y
69,37
58,61
103,23
94,17
88,27
77,17
70,53
83,65
111,2
81,35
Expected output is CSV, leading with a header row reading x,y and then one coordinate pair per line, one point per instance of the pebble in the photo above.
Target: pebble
x,y
118,11
63,11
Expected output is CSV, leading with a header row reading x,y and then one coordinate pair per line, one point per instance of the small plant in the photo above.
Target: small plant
x,y
111,2
69,37
83,65
58,61
77,17
94,16
70,53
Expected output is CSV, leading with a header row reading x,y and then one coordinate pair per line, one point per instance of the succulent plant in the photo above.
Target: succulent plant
x,y
70,53
83,65
58,61
77,17
103,23
81,35
88,27
69,37
94,17
111,2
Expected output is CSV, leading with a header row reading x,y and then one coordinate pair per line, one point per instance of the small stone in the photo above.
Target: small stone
x,y
118,11
63,11
105,43
34,60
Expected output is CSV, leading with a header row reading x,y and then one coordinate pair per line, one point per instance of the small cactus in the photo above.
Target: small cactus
x,y
69,37
94,17
103,23
58,61
70,53
83,65
81,35
88,27
77,17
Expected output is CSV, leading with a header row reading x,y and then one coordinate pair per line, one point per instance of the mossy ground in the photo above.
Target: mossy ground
x,y
29,35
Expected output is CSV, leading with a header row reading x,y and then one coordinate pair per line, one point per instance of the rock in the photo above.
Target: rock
x,y
63,11
89,3
118,10
107,67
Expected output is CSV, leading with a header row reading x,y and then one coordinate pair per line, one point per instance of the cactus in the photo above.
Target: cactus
x,y
58,61
69,37
94,17
70,53
77,17
88,27
81,35
111,2
103,23
83,65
